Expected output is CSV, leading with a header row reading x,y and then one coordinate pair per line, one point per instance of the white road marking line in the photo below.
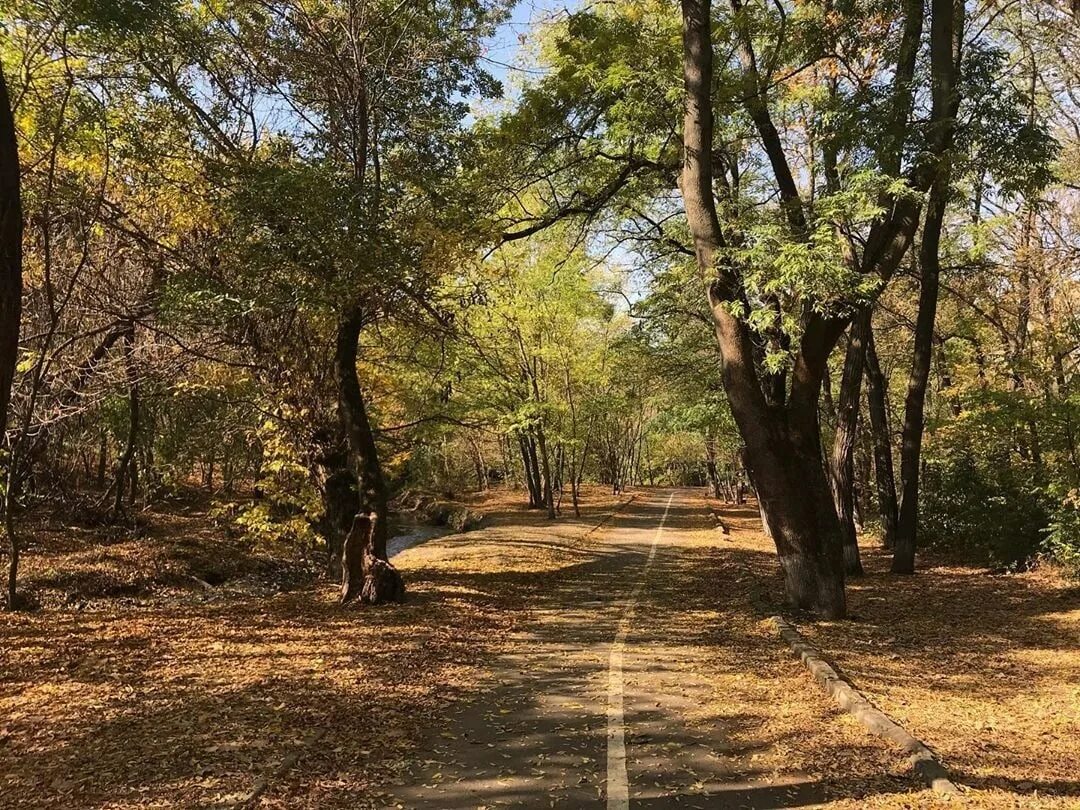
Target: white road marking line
x,y
618,786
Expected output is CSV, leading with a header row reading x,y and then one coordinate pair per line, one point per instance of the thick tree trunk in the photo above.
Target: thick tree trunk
x,y
783,442
365,566
842,470
367,574
341,504
876,389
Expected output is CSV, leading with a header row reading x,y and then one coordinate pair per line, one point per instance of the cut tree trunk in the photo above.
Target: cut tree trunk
x,y
842,470
367,573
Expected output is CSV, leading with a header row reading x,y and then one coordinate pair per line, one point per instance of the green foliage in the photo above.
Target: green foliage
x,y
986,506
1001,134
1062,543
289,504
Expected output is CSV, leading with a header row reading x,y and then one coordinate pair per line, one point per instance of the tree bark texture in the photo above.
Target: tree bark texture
x,y
366,573
877,405
842,471
11,229
783,445
946,37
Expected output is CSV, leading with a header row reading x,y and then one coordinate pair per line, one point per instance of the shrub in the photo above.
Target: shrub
x,y
1062,543
988,507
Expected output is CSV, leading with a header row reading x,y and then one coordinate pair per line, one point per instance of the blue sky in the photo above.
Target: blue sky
x,y
504,49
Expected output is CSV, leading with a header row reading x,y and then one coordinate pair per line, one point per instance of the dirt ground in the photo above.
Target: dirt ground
x,y
175,694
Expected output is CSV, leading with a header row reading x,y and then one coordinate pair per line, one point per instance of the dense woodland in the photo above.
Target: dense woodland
x,y
317,259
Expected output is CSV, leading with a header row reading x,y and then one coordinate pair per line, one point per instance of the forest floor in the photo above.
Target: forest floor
x,y
154,677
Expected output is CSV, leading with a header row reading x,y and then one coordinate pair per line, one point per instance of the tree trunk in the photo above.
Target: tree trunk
x,y
876,388
479,466
341,504
13,549
538,479
11,228
914,406
103,461
710,464
367,574
946,36
126,458
532,472
133,479
548,489
842,470
863,455
783,443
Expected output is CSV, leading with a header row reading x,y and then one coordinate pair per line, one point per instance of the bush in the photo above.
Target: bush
x,y
289,505
1062,543
988,507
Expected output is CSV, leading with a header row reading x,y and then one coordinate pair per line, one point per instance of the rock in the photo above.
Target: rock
x,y
464,520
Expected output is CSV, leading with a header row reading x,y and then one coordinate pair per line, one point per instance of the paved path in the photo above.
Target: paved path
x,y
608,698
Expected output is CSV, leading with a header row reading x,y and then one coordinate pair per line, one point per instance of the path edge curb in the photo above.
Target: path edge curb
x,y
922,759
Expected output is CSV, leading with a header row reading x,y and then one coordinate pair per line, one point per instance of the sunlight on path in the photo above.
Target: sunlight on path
x,y
618,788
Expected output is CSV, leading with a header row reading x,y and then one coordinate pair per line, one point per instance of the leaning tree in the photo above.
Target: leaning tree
x,y
789,151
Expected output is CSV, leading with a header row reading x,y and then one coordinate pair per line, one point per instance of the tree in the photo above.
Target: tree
x,y
877,407
11,229
373,92
842,472
780,426
10,250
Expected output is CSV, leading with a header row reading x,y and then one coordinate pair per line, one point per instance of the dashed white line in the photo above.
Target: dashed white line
x,y
618,786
